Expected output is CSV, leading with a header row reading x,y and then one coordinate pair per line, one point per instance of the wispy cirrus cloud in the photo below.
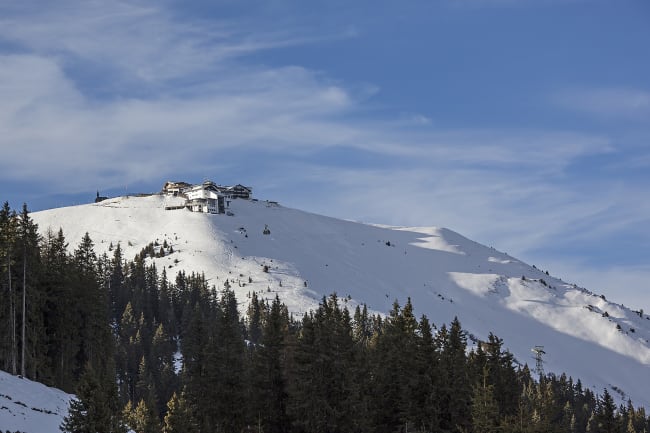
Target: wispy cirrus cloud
x,y
279,111
483,203
235,105
173,98
506,3
44,124
626,103
134,44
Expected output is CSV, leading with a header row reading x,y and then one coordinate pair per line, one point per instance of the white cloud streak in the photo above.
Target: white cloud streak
x,y
633,104
182,98
506,3
141,43
484,204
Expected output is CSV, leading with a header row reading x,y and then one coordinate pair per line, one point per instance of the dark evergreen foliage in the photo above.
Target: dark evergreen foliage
x,y
95,409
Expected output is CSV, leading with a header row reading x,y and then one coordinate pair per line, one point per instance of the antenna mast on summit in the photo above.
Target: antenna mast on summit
x,y
539,362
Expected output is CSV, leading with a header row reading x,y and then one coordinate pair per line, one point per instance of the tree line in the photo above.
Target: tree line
x,y
154,354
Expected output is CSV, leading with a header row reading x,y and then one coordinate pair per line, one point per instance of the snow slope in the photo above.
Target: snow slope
x,y
30,407
446,275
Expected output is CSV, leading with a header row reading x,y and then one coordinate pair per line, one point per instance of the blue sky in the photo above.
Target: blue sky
x,y
522,124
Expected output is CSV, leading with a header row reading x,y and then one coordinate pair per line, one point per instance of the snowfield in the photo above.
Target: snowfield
x,y
445,274
30,407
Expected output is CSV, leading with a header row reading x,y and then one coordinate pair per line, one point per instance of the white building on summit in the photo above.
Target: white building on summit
x,y
206,197
175,188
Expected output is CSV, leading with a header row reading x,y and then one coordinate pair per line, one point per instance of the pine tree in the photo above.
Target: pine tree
x,y
426,415
92,305
485,411
81,414
61,333
455,389
321,381
142,418
413,395
303,406
226,370
118,295
145,387
129,353
162,358
195,336
606,414
361,326
360,373
95,408
270,394
179,418
29,240
547,411
8,235
387,372
254,318
151,307
502,375
167,307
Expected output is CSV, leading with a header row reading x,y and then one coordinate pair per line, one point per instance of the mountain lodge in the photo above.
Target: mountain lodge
x,y
206,197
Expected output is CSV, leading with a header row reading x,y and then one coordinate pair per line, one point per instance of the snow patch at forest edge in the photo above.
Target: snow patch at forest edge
x,y
32,407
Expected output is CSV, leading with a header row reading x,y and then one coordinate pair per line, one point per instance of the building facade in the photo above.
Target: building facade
x,y
205,198
174,188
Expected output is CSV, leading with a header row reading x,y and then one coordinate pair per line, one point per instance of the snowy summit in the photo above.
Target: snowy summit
x,y
264,247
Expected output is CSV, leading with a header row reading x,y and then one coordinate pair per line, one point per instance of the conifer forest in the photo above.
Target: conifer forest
x,y
152,352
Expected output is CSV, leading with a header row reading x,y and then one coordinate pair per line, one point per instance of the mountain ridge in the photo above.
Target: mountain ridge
x,y
309,256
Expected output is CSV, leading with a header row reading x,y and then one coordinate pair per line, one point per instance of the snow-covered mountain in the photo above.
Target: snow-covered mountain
x,y
31,407
310,256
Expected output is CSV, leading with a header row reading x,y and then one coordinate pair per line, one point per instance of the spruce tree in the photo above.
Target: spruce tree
x,y
321,380
142,418
485,411
60,306
32,336
92,305
269,383
455,389
387,373
196,335
118,294
362,327
8,235
606,413
129,354
360,374
502,376
254,319
304,406
95,409
145,387
162,358
167,306
226,357
426,416
179,418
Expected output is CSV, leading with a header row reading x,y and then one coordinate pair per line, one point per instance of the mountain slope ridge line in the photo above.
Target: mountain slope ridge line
x,y
446,275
